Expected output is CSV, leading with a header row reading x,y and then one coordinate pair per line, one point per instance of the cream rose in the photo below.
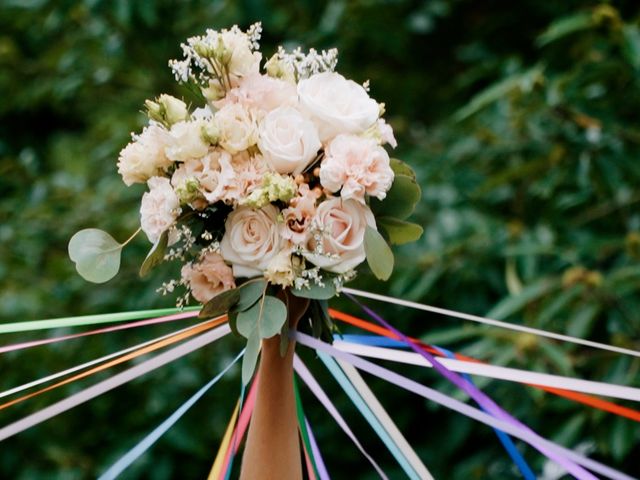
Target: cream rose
x,y
356,165
144,157
336,105
209,277
186,141
288,141
342,224
237,128
159,208
251,240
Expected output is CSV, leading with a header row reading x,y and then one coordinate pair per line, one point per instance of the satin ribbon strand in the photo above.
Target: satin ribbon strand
x,y
458,406
323,474
374,421
496,372
114,382
489,321
141,323
148,441
85,320
68,371
148,349
304,373
588,400
216,468
483,400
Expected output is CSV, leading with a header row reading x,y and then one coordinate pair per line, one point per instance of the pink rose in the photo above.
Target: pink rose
x,y
251,240
341,224
357,166
159,208
209,277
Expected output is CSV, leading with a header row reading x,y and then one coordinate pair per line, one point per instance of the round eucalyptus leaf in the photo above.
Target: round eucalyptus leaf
x,y
96,255
250,293
274,314
379,255
250,357
247,321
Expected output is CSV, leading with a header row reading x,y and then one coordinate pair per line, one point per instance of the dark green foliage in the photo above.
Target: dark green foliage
x,y
522,122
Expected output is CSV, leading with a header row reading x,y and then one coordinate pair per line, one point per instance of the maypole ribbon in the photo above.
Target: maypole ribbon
x,y
479,397
320,394
489,321
85,320
372,419
312,467
216,468
90,363
323,474
458,406
588,400
113,382
141,323
147,442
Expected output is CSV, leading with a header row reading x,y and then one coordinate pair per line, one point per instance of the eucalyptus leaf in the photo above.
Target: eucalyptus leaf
x,y
274,316
250,357
220,304
96,255
233,323
316,292
247,320
400,231
401,199
379,255
155,255
250,292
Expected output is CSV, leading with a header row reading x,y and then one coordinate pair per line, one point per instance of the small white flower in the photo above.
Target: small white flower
x,y
145,156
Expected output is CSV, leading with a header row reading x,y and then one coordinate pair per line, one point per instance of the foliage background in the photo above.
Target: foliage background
x,y
523,122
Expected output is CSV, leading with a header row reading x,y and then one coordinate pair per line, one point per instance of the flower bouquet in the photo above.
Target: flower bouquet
x,y
278,181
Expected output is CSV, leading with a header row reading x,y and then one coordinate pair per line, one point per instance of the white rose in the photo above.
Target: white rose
x,y
342,223
144,157
237,128
251,240
186,141
336,105
287,140
159,208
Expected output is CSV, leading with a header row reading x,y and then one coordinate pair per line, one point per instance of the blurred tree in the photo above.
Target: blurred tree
x,y
522,121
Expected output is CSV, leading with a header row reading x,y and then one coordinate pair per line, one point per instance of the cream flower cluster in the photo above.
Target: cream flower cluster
x,y
273,176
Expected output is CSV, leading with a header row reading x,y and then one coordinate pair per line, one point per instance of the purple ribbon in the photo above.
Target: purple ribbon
x,y
480,397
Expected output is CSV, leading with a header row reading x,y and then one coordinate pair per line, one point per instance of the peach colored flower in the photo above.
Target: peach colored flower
x,y
261,92
342,224
251,240
247,175
298,217
159,208
212,173
356,165
209,277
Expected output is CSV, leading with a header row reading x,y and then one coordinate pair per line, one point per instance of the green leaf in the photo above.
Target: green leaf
x,y
274,316
96,255
401,168
400,231
155,255
250,292
631,44
401,199
267,316
513,303
316,292
379,255
566,26
250,357
233,322
220,304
